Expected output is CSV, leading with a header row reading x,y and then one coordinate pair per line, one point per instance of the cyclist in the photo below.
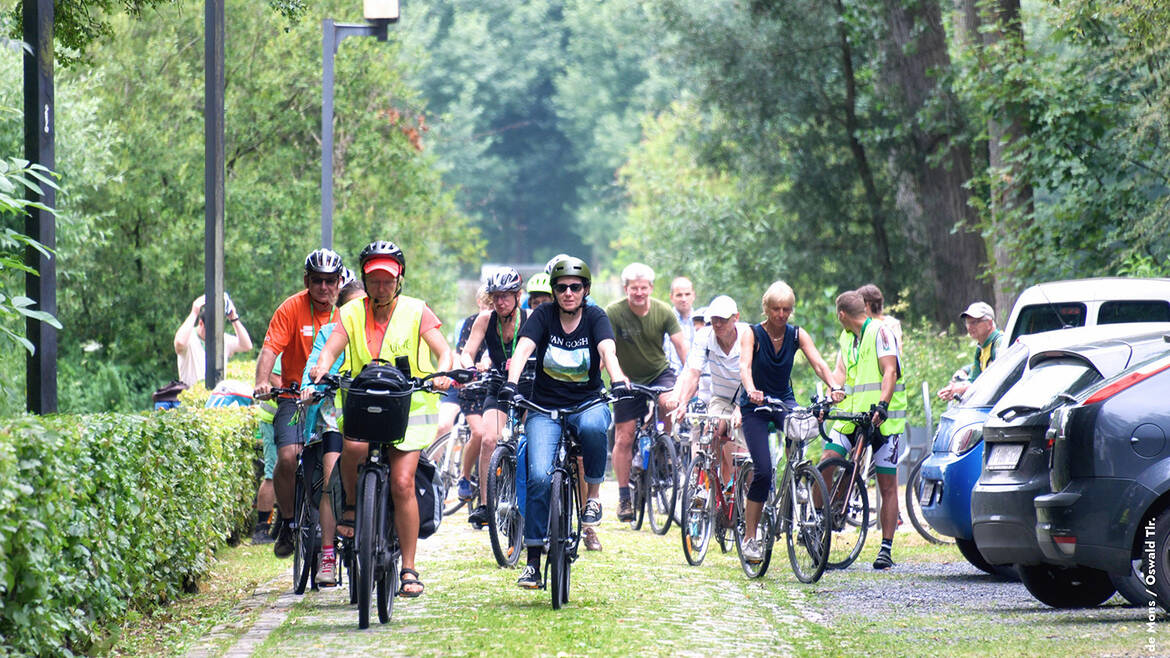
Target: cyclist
x,y
873,308
290,335
716,349
471,404
873,370
331,440
979,319
384,325
682,299
498,330
640,323
765,369
538,289
571,341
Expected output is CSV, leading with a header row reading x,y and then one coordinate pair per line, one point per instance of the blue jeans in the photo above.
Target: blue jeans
x,y
543,435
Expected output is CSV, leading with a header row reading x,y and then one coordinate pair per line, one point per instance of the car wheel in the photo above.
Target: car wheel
x,y
1131,587
1161,558
971,552
1067,587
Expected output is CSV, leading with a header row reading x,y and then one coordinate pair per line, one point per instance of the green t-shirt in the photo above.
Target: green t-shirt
x,y
639,339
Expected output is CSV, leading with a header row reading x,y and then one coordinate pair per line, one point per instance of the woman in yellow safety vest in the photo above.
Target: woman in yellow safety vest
x,y
384,325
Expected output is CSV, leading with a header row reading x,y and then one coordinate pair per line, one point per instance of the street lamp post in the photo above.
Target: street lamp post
x,y
379,14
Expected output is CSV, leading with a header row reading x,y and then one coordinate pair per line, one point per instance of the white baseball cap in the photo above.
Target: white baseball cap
x,y
978,311
722,307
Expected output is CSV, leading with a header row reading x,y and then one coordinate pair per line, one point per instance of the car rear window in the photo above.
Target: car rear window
x,y
1048,317
1041,387
1156,310
1000,375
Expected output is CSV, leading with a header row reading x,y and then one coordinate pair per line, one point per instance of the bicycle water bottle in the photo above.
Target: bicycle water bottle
x,y
644,450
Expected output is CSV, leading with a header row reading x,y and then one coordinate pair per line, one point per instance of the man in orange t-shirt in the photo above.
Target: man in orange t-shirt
x,y
290,335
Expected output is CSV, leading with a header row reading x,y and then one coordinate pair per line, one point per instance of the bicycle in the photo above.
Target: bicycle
x,y
849,496
447,454
506,487
791,506
915,486
654,469
378,552
565,505
707,509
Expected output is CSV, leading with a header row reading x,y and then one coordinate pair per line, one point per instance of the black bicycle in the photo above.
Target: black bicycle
x,y
379,554
654,471
564,505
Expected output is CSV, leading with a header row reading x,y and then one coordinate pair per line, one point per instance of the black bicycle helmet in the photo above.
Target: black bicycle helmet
x,y
570,266
382,249
323,261
504,280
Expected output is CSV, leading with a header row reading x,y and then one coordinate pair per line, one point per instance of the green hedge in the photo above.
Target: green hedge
x,y
102,513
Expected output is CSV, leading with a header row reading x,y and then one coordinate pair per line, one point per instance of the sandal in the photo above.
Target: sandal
x,y
410,594
346,523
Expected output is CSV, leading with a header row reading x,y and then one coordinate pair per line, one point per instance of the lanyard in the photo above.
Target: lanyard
x,y
313,319
515,333
855,352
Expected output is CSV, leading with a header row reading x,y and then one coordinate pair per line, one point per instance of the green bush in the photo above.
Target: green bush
x,y
103,513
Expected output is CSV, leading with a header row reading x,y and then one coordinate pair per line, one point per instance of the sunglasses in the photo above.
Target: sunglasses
x,y
323,280
574,287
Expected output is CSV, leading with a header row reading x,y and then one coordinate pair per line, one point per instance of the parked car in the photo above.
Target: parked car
x,y
1016,465
1111,478
950,472
1088,302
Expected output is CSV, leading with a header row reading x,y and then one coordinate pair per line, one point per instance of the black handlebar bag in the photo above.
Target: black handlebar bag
x,y
377,404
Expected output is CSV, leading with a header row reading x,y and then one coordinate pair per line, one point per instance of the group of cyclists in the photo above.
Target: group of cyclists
x,y
563,340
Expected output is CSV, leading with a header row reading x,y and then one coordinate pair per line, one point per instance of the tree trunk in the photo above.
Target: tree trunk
x,y
933,167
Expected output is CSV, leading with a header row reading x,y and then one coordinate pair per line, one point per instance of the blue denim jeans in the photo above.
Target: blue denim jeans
x,y
543,435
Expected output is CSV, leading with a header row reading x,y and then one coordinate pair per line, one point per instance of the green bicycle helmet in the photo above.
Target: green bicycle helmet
x,y
570,266
538,283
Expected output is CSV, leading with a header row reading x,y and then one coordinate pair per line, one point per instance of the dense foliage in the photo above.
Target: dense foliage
x,y
106,512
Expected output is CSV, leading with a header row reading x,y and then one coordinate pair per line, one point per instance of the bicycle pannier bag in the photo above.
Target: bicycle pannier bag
x,y
429,490
377,405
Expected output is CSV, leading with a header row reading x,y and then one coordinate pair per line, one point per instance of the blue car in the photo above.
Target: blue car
x,y
949,474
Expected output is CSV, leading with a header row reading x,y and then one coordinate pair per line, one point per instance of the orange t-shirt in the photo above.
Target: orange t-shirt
x,y
291,332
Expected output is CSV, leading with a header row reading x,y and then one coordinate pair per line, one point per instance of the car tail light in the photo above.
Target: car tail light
x,y
965,438
1067,545
1122,383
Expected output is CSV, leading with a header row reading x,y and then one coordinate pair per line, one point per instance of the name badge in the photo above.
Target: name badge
x,y
307,330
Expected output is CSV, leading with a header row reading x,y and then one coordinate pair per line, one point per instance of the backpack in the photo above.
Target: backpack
x,y
430,492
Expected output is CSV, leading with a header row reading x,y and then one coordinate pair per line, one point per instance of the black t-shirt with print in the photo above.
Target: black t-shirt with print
x,y
568,366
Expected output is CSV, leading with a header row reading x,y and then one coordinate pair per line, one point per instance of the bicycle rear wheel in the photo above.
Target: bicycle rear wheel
x,y
505,523
808,535
698,505
764,531
559,507
849,519
914,488
662,484
365,531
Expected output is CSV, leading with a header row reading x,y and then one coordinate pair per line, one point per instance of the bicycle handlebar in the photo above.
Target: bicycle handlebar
x,y
295,389
523,402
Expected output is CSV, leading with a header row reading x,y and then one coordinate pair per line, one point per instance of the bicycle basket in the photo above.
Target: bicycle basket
x,y
801,427
377,405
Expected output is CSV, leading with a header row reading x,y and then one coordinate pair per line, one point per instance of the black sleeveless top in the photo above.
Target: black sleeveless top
x,y
498,352
771,367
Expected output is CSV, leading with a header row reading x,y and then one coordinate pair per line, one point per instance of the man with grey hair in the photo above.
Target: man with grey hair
x,y
639,324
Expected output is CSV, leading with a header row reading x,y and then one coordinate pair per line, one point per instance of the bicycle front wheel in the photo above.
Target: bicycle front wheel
x,y
848,511
914,489
389,553
807,524
505,523
698,505
662,484
365,531
447,454
560,506
305,539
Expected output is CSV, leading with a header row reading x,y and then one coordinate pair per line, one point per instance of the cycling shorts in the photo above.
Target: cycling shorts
x,y
268,441
885,458
634,407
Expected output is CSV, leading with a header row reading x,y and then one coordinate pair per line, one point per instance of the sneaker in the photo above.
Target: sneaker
x,y
529,578
465,490
625,512
591,517
478,517
262,534
589,537
884,559
327,570
753,551
283,546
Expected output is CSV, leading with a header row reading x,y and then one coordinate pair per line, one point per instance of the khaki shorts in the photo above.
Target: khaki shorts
x,y
722,406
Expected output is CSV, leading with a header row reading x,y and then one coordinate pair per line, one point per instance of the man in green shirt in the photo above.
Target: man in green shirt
x,y
639,324
980,320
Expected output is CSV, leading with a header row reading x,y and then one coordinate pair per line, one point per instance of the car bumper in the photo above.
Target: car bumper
x,y
1103,514
1003,521
948,480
